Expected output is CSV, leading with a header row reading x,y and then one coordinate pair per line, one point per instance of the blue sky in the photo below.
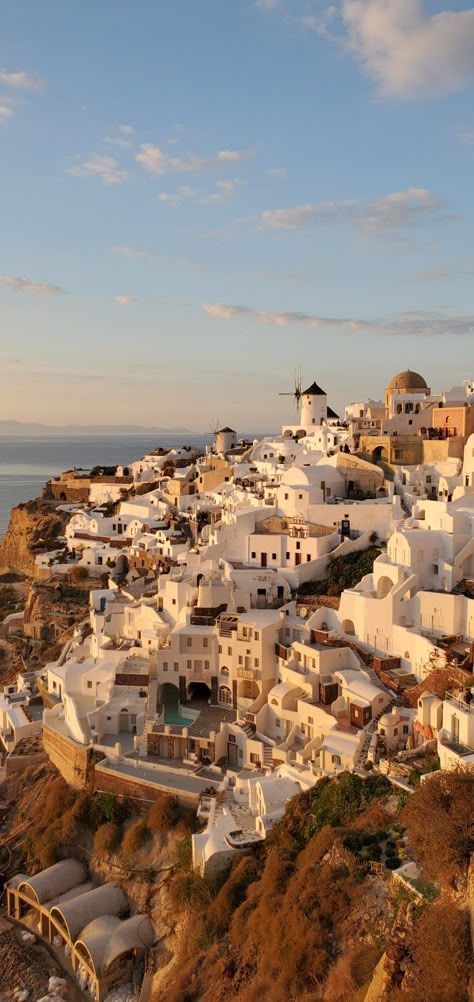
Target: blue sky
x,y
199,196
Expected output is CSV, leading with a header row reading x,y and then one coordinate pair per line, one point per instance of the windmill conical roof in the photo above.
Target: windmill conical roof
x,y
314,391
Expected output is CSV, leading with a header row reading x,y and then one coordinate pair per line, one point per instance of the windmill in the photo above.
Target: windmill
x,y
214,427
296,393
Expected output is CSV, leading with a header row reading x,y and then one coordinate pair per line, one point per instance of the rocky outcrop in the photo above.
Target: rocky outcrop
x,y
33,528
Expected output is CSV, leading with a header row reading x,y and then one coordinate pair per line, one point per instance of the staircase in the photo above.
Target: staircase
x,y
267,757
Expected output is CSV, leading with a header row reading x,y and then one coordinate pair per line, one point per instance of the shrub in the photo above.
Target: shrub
x,y
79,574
164,814
107,807
107,838
392,862
441,953
440,821
135,838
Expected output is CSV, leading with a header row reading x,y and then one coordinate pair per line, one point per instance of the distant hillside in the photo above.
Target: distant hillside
x,y
34,428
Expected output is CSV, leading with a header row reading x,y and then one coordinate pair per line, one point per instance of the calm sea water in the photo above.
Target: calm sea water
x,y
26,463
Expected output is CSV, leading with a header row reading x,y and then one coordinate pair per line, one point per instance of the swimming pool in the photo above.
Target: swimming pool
x,y
172,713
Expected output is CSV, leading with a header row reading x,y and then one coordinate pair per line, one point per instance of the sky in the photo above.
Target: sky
x,y
198,197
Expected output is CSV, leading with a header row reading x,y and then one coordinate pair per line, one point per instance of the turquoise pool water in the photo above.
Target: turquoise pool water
x,y
171,711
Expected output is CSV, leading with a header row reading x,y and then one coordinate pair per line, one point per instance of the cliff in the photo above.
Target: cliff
x,y
33,528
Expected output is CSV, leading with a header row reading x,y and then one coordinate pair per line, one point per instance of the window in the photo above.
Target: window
x,y
256,662
287,554
253,556
189,665
308,557
109,718
277,723
298,545
175,666
336,759
189,641
382,731
173,601
274,556
206,664
229,651
254,758
405,728
205,641
286,495
256,635
241,660
89,683
165,666
224,670
300,497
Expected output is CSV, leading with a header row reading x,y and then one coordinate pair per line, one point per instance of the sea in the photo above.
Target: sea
x,y
26,463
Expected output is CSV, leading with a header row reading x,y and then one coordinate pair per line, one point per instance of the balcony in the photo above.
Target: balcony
x,y
247,673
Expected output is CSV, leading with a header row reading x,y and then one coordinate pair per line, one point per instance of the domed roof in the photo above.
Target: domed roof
x,y
407,380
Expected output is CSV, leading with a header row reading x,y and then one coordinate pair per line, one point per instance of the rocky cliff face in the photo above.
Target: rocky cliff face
x,y
33,528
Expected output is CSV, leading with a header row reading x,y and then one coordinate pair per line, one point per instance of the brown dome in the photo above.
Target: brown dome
x,y
407,380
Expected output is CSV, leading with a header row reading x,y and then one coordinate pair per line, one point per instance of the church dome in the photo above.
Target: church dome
x,y
407,380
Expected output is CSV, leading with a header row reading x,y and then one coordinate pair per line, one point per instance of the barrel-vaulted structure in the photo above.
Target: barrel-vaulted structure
x,y
90,921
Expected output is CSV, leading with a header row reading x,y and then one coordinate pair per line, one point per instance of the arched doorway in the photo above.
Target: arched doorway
x,y
380,454
348,627
384,585
169,699
199,692
225,695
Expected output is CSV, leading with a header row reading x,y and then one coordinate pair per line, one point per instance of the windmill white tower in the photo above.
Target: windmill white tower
x,y
314,406
223,438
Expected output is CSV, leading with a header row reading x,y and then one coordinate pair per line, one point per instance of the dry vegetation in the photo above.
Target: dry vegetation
x,y
296,921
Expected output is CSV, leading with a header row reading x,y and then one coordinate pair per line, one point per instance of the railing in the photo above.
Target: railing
x,y
246,673
460,702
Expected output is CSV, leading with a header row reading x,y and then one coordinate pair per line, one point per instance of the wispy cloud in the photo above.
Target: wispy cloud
x,y
128,130
409,53
279,173
157,162
223,311
388,215
415,323
31,288
223,193
6,111
125,300
135,252
103,167
124,144
22,80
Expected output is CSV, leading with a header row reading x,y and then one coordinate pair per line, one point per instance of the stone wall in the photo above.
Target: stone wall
x,y
137,789
72,761
129,678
